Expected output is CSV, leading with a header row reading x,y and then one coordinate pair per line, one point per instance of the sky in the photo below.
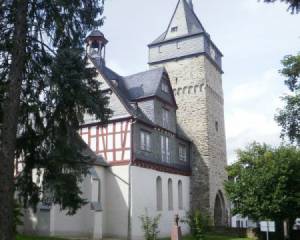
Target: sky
x,y
253,37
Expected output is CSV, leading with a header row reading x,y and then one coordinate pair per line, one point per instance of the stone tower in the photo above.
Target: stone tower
x,y
194,64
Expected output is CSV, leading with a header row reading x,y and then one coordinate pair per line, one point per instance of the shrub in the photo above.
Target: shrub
x,y
198,223
150,226
17,215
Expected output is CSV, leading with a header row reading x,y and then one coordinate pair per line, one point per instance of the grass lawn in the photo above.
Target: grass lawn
x,y
215,237
208,237
21,237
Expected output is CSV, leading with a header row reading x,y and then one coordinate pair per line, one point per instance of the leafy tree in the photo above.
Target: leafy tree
x,y
289,117
294,5
45,90
265,182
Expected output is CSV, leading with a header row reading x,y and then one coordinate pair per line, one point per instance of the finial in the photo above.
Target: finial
x,y
191,4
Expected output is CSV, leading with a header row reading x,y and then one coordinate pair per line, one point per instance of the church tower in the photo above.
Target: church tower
x,y
194,65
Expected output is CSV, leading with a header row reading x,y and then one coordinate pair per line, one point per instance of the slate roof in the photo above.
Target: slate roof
x,y
193,24
96,33
122,89
143,84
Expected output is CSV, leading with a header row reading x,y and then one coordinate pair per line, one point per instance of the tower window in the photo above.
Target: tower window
x,y
217,126
174,29
164,87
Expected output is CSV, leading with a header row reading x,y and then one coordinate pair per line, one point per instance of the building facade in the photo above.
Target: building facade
x,y
163,152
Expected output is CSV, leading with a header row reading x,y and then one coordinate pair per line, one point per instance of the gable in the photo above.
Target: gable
x,y
99,77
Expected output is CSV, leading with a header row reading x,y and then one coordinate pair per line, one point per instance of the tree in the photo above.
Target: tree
x,y
289,117
45,90
265,182
293,5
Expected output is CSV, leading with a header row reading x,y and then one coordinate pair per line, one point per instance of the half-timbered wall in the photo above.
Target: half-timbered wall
x,y
111,141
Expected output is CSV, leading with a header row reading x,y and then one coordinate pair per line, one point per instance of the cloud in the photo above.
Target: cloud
x,y
254,87
250,111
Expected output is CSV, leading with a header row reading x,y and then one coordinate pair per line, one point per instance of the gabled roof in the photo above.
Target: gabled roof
x,y
143,84
119,89
185,22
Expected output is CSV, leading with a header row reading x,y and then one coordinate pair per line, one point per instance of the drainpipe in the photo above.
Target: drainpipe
x,y
129,230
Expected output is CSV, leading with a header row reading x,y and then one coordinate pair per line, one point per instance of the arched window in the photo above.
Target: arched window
x,y
96,190
159,195
180,197
170,194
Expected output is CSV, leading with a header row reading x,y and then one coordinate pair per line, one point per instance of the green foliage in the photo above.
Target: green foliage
x,y
265,182
289,117
57,91
293,5
17,215
150,226
198,223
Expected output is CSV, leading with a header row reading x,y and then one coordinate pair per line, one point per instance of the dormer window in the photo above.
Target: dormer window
x,y
165,118
164,87
174,29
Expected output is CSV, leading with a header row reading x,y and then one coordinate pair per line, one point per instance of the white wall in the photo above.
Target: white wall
x,y
116,202
144,197
85,223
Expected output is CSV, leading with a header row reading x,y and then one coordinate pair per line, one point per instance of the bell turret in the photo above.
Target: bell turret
x,y
95,45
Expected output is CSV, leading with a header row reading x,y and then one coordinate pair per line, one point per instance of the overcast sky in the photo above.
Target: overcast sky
x,y
253,37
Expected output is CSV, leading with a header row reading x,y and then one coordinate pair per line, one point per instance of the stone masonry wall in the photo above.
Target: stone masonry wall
x,y
198,90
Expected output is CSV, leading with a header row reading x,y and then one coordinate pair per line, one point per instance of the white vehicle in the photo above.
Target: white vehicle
x,y
297,224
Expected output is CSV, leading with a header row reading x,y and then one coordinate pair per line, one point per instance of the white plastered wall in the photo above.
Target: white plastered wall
x,y
143,189
116,202
85,223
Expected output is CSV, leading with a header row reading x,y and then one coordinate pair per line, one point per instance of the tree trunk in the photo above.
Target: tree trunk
x,y
10,121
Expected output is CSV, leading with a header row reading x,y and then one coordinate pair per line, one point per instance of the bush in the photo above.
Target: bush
x,y
198,223
17,215
150,226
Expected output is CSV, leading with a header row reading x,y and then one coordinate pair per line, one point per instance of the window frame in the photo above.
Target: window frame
x,y
174,29
165,117
164,86
159,194
170,195
145,140
182,153
165,149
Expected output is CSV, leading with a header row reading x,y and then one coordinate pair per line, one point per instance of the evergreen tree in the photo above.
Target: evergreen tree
x,y
293,5
45,90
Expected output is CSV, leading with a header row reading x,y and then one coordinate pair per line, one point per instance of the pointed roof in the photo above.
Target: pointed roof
x,y
184,22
